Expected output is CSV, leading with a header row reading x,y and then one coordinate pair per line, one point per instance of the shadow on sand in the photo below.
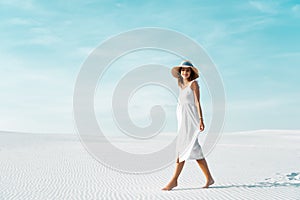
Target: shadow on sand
x,y
256,185
288,180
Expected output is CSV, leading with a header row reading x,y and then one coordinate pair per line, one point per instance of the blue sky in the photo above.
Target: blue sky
x,y
254,44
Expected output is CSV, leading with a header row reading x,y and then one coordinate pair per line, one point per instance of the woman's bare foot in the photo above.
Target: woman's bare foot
x,y
208,183
171,185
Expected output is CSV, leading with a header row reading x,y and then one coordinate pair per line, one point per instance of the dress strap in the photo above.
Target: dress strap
x,y
191,82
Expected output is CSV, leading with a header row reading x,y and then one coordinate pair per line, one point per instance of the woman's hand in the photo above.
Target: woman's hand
x,y
201,126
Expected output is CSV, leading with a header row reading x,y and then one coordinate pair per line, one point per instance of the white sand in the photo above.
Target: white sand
x,y
246,165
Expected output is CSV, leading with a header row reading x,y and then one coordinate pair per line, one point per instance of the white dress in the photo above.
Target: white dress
x,y
187,147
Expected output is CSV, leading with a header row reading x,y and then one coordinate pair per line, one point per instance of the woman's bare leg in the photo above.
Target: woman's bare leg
x,y
204,167
173,182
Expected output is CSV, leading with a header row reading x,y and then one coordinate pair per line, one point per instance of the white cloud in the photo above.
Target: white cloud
x,y
83,51
26,5
21,21
288,55
264,7
119,5
252,24
45,40
42,36
227,31
296,10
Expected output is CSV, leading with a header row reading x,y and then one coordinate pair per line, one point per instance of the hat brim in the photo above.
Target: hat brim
x,y
176,73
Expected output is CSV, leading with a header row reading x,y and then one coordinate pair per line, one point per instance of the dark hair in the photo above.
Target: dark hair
x,y
190,78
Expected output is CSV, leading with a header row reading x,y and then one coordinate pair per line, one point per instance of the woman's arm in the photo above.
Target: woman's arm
x,y
195,88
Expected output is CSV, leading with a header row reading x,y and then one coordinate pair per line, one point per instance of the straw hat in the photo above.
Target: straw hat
x,y
176,70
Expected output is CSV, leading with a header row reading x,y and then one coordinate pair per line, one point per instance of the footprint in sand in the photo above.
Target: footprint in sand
x,y
291,179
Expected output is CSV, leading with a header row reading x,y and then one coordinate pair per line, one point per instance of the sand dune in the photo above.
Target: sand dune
x,y
246,165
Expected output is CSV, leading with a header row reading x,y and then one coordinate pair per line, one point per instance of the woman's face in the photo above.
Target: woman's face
x,y
185,72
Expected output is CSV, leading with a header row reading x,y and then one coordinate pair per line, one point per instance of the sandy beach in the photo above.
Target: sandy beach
x,y
246,165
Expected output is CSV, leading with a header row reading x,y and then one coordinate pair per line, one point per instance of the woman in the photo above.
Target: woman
x,y
190,121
